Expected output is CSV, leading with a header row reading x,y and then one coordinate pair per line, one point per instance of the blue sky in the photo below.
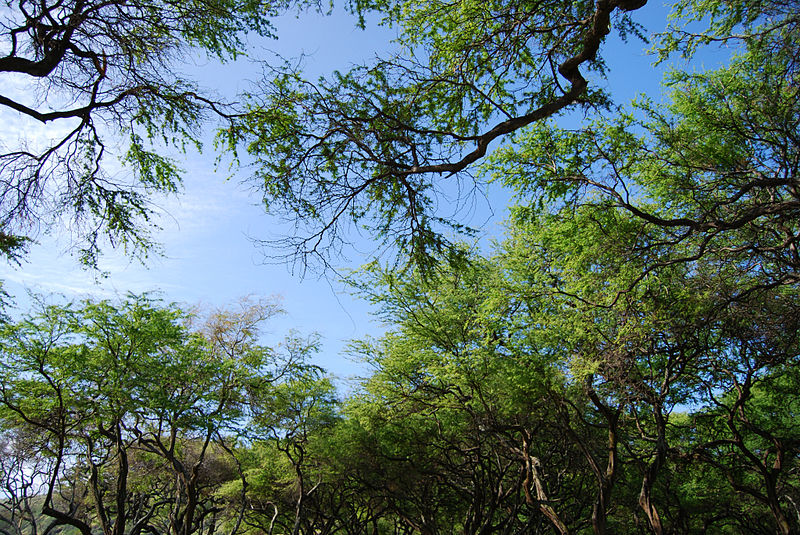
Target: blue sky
x,y
209,257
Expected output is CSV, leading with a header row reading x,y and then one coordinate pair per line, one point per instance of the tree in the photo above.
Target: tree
x,y
91,72
367,145
625,399
649,276
131,417
23,474
715,168
745,433
387,145
290,417
471,397
664,339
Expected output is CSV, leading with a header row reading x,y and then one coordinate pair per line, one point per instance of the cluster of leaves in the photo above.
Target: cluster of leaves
x,y
370,146
624,361
125,419
507,401
93,71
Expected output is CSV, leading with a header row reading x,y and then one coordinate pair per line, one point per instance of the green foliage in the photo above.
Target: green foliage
x,y
646,290
134,417
381,145
103,72
624,360
713,172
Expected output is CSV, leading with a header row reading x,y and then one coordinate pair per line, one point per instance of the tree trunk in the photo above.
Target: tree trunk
x,y
532,476
651,473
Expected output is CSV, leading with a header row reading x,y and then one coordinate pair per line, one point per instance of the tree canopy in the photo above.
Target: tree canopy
x,y
369,145
126,419
623,359
86,76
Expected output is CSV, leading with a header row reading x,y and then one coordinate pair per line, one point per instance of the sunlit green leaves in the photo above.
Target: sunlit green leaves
x,y
379,147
